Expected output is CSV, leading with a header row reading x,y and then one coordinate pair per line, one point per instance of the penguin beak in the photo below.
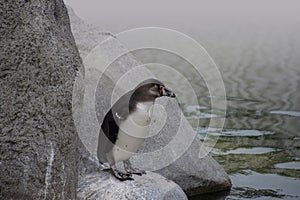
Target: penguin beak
x,y
166,92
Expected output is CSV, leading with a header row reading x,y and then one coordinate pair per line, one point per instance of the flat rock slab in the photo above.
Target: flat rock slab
x,y
153,186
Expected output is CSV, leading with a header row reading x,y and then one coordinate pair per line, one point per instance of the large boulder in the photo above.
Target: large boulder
x,y
195,171
39,62
93,183
107,78
150,186
90,36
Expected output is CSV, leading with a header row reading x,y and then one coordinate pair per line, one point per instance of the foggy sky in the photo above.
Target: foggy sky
x,y
118,15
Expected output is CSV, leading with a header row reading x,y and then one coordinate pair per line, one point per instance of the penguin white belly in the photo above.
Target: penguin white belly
x,y
132,133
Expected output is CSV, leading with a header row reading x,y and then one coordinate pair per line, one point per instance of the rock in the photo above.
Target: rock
x,y
95,184
150,186
38,65
181,162
176,146
88,36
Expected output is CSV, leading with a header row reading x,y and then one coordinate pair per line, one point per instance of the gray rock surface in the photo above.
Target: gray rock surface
x,y
192,168
90,36
93,183
180,162
38,65
150,186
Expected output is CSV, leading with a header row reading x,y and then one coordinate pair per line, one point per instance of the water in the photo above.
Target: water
x,y
262,164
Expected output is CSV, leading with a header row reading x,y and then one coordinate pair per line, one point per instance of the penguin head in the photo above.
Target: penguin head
x,y
151,89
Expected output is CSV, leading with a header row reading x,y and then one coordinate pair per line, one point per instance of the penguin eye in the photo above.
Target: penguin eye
x,y
154,90
154,87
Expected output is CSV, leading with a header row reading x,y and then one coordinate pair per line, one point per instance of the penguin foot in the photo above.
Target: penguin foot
x,y
121,175
129,169
136,171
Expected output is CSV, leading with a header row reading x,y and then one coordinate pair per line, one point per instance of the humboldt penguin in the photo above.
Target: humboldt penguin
x,y
126,125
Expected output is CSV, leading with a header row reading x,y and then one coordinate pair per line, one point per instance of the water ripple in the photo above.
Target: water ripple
x,y
284,112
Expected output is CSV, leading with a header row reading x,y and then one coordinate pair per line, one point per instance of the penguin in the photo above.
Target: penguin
x,y
126,125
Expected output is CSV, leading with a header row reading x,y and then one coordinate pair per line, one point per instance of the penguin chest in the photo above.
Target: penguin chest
x,y
132,133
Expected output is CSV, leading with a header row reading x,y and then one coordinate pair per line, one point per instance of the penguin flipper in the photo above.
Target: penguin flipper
x,y
107,137
110,127
103,147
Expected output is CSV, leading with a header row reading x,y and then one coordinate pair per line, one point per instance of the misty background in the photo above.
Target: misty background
x,y
254,43
187,15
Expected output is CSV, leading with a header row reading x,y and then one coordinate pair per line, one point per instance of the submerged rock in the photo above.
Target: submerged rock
x,y
103,185
38,65
181,162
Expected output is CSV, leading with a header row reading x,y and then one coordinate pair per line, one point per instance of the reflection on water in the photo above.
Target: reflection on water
x,y
288,165
254,150
202,132
260,144
268,185
263,164
289,113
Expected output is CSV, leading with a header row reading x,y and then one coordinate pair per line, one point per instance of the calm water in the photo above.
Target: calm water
x,y
259,145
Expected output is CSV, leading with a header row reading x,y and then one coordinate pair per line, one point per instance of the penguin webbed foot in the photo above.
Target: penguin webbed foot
x,y
121,175
136,171
129,169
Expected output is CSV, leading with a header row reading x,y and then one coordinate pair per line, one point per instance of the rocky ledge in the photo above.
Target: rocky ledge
x,y
150,186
